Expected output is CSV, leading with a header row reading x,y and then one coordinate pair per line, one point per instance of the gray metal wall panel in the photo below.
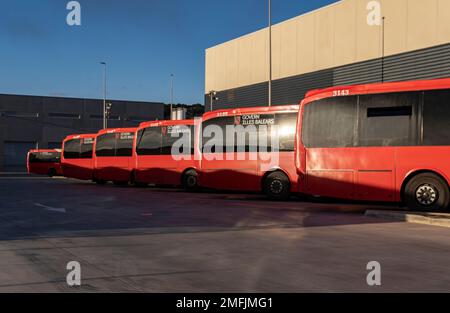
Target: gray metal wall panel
x,y
426,63
17,125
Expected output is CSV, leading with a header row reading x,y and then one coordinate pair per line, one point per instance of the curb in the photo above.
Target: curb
x,y
434,219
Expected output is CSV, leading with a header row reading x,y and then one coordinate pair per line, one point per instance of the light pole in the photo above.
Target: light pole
x,y
383,25
105,123
212,97
270,52
171,95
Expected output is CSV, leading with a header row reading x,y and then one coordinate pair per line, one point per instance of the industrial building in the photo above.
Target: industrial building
x,y
28,122
332,46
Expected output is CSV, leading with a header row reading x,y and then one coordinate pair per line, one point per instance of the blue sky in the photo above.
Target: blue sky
x,y
143,42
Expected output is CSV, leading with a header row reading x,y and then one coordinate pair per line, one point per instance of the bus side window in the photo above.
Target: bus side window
x,y
286,123
124,144
106,145
72,149
149,141
436,112
86,149
388,120
329,123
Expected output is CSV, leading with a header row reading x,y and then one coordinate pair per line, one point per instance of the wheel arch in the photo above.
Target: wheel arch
x,y
416,172
274,170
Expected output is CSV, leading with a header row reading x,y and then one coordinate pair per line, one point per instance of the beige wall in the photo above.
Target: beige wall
x,y
332,36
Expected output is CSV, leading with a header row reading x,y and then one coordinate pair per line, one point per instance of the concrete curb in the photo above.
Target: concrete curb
x,y
434,219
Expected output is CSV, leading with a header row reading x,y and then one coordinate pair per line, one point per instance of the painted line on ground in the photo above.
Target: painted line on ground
x,y
49,208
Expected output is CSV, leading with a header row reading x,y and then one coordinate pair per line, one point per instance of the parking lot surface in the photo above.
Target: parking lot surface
x,y
165,240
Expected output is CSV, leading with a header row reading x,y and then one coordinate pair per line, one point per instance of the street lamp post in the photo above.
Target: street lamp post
x,y
105,123
212,97
270,53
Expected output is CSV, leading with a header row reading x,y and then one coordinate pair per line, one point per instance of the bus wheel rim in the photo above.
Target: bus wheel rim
x,y
191,180
276,186
426,194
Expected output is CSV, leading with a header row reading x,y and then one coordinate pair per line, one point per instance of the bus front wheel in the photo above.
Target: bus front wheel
x,y
190,181
427,192
277,186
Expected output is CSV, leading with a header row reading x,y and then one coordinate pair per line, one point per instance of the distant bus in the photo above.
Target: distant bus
x,y
379,142
154,162
113,155
77,157
44,162
275,174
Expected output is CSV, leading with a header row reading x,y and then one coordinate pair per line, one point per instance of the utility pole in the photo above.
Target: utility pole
x,y
105,124
382,47
171,95
270,53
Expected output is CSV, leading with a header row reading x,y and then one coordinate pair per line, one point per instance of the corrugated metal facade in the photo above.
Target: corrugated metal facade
x,y
425,63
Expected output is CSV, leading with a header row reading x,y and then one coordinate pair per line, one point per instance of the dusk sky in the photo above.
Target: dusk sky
x,y
143,42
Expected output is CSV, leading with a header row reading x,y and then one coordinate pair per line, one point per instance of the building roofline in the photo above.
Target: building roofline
x,y
77,98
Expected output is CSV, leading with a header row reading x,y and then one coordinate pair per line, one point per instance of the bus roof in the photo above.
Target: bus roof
x,y
77,136
43,150
166,123
250,110
116,130
339,91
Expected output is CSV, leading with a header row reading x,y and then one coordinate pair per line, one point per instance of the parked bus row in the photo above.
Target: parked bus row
x,y
377,142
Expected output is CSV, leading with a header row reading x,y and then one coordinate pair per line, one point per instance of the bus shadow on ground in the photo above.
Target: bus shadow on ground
x,y
70,207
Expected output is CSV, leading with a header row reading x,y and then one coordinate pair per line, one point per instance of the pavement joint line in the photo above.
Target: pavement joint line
x,y
433,219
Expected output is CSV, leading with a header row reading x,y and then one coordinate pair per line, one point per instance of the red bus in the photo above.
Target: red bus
x,y
76,158
113,155
44,162
154,158
222,168
379,142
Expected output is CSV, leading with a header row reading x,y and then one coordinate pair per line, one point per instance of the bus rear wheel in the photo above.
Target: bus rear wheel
x,y
427,192
277,186
190,181
51,172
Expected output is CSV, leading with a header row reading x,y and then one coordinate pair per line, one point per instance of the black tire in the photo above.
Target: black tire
x,y
51,172
427,192
135,183
120,183
100,182
277,186
189,180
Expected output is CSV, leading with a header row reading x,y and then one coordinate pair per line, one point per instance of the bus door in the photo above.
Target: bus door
x,y
123,162
228,170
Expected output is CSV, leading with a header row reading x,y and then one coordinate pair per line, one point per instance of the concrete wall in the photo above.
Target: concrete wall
x,y
330,37
48,120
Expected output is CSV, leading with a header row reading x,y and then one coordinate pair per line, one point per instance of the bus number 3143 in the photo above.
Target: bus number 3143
x,y
341,93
